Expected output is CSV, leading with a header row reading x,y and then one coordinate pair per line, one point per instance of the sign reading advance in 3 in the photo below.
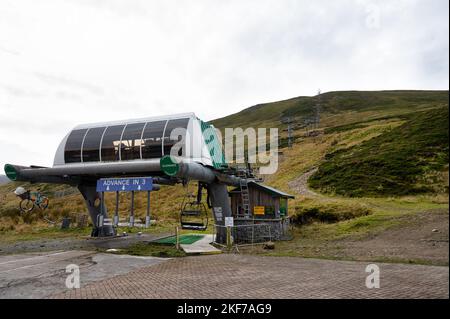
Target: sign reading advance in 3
x,y
125,184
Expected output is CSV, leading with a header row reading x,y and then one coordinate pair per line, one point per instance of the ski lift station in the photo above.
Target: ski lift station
x,y
141,155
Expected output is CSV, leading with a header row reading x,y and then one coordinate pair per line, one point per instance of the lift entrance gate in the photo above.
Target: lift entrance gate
x,y
132,184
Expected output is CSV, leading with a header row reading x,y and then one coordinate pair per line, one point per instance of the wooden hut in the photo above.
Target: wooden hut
x,y
264,202
267,217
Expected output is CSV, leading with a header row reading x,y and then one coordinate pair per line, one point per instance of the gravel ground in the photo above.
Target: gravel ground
x,y
423,237
43,245
300,184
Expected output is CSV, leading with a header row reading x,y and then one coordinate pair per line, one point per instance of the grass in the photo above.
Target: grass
x,y
42,231
327,212
393,163
165,207
150,249
305,155
327,240
378,146
385,213
368,114
356,105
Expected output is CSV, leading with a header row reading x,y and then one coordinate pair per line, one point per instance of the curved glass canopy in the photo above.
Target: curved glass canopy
x,y
125,142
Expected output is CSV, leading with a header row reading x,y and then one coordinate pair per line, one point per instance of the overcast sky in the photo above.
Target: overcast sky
x,y
64,62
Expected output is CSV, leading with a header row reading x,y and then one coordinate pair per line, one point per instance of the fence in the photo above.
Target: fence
x,y
66,192
240,235
79,220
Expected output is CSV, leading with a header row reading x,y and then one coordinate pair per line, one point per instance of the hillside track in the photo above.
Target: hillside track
x,y
300,184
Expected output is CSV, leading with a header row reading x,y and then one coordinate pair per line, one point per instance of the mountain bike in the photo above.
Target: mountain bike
x,y
30,200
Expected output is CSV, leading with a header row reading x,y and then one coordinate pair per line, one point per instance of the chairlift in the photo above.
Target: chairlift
x,y
194,215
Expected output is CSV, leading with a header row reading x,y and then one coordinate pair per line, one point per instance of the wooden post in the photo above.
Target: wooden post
x,y
177,238
116,212
228,238
132,210
101,216
147,217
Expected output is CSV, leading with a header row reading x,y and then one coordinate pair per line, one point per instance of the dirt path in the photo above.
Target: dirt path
x,y
422,237
300,184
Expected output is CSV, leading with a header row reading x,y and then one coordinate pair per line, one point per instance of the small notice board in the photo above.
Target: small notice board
x,y
229,222
258,210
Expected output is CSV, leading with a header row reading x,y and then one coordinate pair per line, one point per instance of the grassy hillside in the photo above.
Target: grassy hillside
x,y
373,144
405,160
165,205
338,108
396,142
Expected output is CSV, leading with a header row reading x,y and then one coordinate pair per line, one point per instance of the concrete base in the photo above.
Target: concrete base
x,y
201,247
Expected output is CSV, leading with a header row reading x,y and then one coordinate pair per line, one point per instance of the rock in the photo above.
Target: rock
x,y
435,230
269,245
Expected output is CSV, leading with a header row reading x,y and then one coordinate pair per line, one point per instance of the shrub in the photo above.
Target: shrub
x,y
327,212
393,163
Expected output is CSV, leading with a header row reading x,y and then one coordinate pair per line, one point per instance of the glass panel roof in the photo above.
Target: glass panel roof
x,y
122,142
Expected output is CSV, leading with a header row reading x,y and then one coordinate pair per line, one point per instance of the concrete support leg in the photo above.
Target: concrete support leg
x,y
90,196
221,207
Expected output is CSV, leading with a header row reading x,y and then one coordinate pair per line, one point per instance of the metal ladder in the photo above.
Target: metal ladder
x,y
245,196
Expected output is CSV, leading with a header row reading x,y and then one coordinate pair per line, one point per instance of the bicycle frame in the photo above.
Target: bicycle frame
x,y
37,198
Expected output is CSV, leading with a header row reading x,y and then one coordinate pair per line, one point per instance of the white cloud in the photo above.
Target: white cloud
x,y
75,61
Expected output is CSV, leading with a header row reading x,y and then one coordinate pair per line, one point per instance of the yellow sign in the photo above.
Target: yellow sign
x,y
258,210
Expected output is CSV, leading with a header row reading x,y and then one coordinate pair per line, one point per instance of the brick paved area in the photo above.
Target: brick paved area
x,y
38,275
241,276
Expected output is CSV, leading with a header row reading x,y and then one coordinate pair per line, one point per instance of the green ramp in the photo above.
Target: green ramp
x,y
184,239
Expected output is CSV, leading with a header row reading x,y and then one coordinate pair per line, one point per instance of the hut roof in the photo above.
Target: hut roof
x,y
275,192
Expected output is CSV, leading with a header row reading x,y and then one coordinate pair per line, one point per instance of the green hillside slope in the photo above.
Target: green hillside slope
x,y
373,144
403,161
338,108
394,161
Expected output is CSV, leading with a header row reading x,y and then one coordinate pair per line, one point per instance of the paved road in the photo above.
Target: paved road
x,y
39,275
242,276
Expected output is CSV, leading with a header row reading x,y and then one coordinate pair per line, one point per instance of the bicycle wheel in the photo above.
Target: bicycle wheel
x,y
44,203
26,205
